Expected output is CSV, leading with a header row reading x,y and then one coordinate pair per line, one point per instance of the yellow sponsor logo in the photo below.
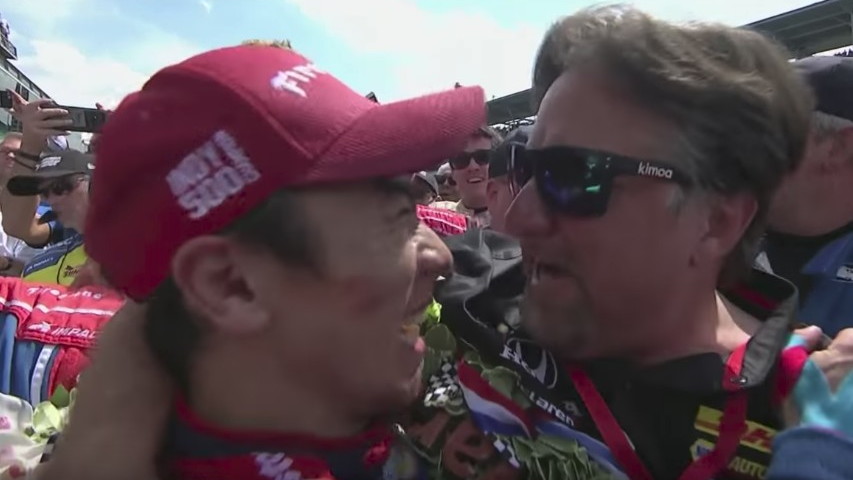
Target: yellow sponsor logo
x,y
757,436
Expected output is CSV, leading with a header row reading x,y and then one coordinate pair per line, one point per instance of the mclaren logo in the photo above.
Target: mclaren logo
x,y
533,359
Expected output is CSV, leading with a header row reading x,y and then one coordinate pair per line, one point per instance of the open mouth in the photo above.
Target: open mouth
x,y
475,180
411,330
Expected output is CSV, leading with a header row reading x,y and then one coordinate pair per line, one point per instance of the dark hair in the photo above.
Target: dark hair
x,y
280,226
743,111
493,135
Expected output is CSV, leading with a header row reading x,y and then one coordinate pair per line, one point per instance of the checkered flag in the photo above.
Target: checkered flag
x,y
505,449
443,387
49,447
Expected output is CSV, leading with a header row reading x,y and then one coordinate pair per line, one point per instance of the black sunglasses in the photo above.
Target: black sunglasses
x,y
464,159
578,181
60,186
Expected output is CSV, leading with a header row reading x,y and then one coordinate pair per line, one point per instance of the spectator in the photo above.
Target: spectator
x,y
642,193
63,181
424,188
447,189
498,192
14,252
810,237
307,247
23,215
470,170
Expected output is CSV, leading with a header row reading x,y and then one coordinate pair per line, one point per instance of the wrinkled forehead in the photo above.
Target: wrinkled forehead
x,y
586,109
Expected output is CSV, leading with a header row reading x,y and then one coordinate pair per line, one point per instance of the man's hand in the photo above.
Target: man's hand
x,y
823,396
121,410
836,362
38,119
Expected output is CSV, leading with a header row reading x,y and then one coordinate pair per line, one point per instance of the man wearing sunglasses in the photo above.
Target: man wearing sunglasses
x,y
62,180
470,172
641,197
498,189
14,252
447,190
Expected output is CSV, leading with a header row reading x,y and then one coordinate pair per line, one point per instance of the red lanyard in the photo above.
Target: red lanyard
x,y
732,425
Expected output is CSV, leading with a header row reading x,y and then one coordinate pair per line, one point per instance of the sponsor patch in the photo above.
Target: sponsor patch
x,y
757,436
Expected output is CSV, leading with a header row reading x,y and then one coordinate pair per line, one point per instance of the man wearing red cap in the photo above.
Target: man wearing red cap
x,y
284,255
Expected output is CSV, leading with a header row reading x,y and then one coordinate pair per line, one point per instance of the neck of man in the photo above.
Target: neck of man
x,y
710,324
825,210
475,202
251,395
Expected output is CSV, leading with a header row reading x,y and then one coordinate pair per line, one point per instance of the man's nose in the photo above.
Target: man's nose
x,y
434,257
473,166
527,215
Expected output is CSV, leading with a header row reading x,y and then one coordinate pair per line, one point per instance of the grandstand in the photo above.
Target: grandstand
x,y
11,78
815,28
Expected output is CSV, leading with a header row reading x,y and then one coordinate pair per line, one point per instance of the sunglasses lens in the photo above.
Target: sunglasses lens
x,y
460,162
578,186
58,187
574,186
481,157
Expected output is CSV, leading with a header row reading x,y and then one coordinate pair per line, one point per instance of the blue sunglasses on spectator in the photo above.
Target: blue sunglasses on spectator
x,y
578,181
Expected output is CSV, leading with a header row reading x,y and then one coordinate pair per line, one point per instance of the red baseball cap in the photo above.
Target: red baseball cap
x,y
210,138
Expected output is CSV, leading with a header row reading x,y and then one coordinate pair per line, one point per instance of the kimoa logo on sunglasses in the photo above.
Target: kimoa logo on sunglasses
x,y
651,171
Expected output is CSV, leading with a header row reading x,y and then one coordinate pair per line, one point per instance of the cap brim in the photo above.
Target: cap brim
x,y
403,137
28,185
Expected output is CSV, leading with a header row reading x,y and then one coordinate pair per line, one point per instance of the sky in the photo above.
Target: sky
x,y
86,51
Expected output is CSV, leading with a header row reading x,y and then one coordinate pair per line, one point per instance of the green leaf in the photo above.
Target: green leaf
x,y
432,316
536,469
440,338
502,379
46,417
432,362
560,444
523,449
473,359
60,398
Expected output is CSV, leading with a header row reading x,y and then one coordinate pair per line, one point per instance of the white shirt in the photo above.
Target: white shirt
x,y
15,248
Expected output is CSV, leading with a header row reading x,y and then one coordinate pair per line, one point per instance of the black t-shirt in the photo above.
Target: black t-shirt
x,y
788,254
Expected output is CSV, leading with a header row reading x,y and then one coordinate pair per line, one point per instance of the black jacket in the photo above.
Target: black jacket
x,y
670,412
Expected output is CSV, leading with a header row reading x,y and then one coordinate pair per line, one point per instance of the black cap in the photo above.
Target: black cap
x,y
831,79
500,156
55,165
430,180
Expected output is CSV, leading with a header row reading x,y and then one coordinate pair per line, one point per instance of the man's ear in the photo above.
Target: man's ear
x,y
214,285
728,219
